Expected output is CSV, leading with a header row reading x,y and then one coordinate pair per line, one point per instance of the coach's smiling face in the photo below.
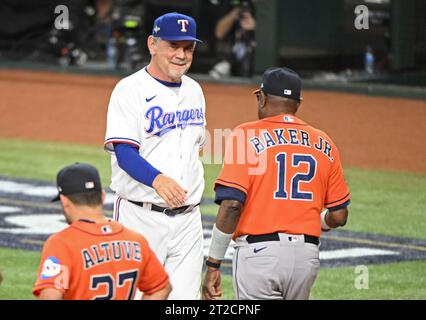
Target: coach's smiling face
x,y
170,60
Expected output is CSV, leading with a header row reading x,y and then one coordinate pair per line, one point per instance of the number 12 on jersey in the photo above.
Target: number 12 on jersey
x,y
296,160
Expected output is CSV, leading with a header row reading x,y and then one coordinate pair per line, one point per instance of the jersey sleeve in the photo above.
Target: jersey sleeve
x,y
153,276
55,267
235,168
337,191
122,119
228,193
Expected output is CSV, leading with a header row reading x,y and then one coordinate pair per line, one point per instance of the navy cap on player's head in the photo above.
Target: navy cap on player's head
x,y
77,178
282,82
175,27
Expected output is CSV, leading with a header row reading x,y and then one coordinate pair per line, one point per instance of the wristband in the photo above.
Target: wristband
x,y
219,243
212,264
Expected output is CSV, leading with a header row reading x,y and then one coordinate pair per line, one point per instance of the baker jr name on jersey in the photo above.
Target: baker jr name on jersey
x,y
293,137
111,251
161,122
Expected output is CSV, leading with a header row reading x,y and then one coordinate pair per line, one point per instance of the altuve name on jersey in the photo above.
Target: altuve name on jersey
x,y
111,250
295,137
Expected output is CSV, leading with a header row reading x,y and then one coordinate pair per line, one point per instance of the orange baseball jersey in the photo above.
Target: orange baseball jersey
x,y
289,172
99,261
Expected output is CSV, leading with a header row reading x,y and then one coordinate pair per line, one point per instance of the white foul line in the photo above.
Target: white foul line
x,y
354,253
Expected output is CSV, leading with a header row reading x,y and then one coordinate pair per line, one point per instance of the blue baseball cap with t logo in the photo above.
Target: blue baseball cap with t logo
x,y
175,27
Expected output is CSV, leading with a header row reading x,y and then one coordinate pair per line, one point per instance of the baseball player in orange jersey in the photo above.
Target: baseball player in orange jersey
x,y
95,258
272,203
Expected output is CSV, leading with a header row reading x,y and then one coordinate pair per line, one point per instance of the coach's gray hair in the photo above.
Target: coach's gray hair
x,y
158,39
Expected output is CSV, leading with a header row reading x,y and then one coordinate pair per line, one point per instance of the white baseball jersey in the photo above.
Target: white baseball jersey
x,y
168,129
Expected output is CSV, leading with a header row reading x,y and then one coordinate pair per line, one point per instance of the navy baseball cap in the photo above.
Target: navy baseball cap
x,y
175,27
77,178
282,82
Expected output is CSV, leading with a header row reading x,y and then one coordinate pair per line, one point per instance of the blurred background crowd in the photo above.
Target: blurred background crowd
x,y
240,37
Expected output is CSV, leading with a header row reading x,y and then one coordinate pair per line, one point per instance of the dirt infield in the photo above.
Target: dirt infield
x,y
371,132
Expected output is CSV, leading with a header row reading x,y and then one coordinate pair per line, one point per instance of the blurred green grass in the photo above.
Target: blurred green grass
x,y
403,280
19,268
42,160
388,203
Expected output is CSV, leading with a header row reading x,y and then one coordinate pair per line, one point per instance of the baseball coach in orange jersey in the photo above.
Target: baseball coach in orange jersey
x,y
275,207
95,258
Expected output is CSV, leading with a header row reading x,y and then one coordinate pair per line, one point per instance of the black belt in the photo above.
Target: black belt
x,y
168,211
276,237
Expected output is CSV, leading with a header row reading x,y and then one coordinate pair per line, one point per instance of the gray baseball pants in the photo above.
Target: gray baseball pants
x,y
275,270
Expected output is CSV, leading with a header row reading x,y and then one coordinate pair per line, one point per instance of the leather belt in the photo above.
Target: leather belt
x,y
276,237
167,211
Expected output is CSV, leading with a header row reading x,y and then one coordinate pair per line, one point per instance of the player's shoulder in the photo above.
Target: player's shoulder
x,y
132,235
249,125
63,237
191,82
321,133
132,82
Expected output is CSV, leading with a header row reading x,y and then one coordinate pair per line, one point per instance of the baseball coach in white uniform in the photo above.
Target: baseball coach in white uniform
x,y
155,129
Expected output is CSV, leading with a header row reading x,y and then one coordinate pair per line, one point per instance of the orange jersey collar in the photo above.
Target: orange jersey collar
x,y
285,118
101,229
